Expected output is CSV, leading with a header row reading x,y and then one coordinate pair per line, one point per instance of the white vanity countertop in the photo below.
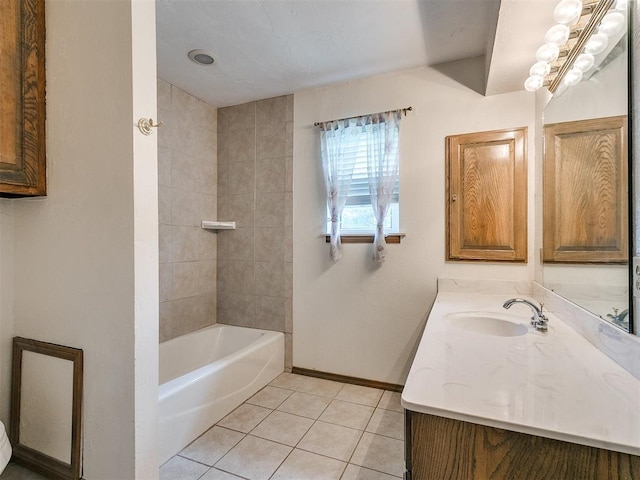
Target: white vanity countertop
x,y
554,384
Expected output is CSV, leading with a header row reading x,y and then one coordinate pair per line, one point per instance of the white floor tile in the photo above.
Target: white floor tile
x,y
391,401
215,474
354,472
182,468
379,453
244,418
362,395
309,466
388,423
212,445
347,414
283,427
254,458
270,397
330,440
305,405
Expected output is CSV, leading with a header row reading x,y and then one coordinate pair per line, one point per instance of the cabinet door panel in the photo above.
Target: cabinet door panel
x,y
487,196
585,191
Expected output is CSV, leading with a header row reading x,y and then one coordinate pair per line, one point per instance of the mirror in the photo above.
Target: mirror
x,y
595,280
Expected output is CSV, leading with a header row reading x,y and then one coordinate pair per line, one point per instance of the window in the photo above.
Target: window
x,y
357,216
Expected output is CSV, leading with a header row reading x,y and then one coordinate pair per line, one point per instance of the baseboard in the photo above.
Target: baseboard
x,y
347,379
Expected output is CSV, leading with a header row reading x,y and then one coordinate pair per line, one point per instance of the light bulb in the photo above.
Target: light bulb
x,y
568,12
621,5
611,24
572,77
533,83
596,44
540,69
557,35
548,53
584,62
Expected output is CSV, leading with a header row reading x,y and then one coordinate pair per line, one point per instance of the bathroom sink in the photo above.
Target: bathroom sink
x,y
487,323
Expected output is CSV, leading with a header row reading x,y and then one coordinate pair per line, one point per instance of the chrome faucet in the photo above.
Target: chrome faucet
x,y
618,317
538,320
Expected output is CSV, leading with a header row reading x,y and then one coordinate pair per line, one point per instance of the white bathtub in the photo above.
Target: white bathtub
x,y
204,375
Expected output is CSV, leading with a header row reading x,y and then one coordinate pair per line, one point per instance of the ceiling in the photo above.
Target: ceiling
x,y
266,48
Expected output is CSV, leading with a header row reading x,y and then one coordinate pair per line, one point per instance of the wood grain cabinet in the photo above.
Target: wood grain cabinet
x,y
22,102
486,178
441,448
585,191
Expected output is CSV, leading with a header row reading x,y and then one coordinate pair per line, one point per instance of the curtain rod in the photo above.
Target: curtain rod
x,y
404,110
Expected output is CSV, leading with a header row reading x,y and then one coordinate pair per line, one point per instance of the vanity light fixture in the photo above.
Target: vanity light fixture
x,y
571,47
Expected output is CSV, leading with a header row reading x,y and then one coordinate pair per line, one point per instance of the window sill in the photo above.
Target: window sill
x,y
390,238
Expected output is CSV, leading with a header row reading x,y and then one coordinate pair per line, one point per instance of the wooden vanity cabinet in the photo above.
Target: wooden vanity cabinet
x,y
439,448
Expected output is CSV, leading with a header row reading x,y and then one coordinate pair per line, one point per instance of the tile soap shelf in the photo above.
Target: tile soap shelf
x,y
210,225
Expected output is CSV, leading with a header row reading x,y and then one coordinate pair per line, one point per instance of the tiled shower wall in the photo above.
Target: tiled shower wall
x,y
187,177
255,184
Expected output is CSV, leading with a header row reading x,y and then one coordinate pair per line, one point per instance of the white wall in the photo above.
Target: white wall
x,y
6,305
353,317
86,256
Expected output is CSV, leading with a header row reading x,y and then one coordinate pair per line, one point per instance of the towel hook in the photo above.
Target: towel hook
x,y
146,124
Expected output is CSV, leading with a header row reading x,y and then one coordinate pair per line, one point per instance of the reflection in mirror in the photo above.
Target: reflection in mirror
x,y
600,287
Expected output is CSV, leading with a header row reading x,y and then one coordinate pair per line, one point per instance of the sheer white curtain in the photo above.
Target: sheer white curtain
x,y
338,171
382,166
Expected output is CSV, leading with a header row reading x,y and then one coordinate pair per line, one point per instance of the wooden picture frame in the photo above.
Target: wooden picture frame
x,y
25,455
585,192
22,98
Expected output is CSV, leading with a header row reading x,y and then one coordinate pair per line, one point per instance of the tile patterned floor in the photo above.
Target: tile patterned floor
x,y
300,428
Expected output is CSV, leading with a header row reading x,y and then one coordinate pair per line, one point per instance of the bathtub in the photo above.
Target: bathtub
x,y
204,375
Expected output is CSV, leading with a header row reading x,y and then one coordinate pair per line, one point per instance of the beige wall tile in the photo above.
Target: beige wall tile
x,y
288,138
288,209
207,244
241,310
288,244
271,145
270,313
208,179
223,178
185,172
241,244
270,174
242,116
271,110
222,276
288,279
222,239
270,244
165,243
288,352
288,178
166,282
166,324
164,94
242,145
223,208
184,207
187,315
269,210
288,315
240,277
242,178
269,279
164,167
207,207
289,111
186,280
241,210
185,243
222,304
207,276
164,205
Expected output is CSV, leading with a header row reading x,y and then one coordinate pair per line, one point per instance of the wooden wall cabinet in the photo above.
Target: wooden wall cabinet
x,y
585,191
486,196
22,98
441,448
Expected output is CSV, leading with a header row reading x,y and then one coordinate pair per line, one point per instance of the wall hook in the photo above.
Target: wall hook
x,y
146,124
